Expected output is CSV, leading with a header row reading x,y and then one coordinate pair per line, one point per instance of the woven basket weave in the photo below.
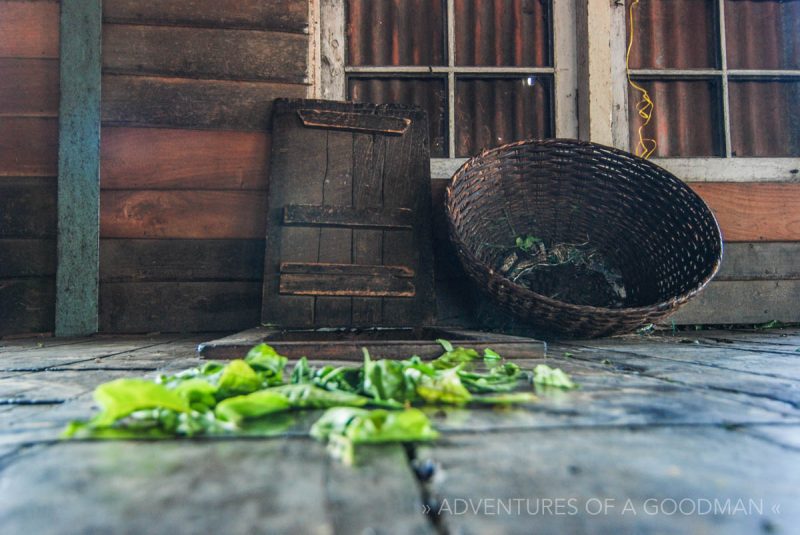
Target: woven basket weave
x,y
650,225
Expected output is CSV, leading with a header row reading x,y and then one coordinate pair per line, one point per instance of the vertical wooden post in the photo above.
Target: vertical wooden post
x,y
595,87
79,169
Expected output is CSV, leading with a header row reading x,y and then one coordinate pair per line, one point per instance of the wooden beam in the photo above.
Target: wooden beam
x,y
79,169
347,217
595,87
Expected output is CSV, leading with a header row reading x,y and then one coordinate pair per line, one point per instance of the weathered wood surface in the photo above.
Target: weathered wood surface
x,y
365,123
593,474
27,257
26,305
760,261
347,217
130,307
347,344
182,214
29,87
628,435
186,103
27,207
336,281
746,212
29,29
60,352
670,367
28,146
132,260
78,245
327,186
278,15
301,493
743,302
205,53
156,158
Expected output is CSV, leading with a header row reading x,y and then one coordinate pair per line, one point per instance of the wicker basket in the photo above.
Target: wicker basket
x,y
650,225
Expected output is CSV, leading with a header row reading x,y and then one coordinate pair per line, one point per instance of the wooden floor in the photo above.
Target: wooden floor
x,y
686,433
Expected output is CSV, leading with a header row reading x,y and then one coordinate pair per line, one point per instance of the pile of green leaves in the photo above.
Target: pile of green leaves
x,y
366,404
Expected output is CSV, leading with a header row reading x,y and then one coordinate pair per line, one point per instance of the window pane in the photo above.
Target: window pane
x,y
686,120
764,118
428,93
395,32
494,111
676,34
502,32
763,34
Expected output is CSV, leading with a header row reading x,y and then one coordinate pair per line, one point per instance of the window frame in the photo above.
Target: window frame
x,y
724,168
331,79
589,67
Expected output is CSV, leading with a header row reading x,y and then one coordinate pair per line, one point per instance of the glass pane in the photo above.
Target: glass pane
x,y
763,34
395,32
494,111
675,34
428,93
686,119
762,120
502,32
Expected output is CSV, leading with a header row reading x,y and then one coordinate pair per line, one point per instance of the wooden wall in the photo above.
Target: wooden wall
x,y
187,90
28,164
759,280
187,93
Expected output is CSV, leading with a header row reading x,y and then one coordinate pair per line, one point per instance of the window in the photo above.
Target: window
x,y
487,72
725,79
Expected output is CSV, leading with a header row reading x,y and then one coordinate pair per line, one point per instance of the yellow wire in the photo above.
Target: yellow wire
x,y
645,107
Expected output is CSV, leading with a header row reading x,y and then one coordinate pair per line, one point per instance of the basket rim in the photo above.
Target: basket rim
x,y
661,306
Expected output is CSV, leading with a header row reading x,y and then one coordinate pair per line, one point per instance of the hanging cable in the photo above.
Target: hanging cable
x,y
645,107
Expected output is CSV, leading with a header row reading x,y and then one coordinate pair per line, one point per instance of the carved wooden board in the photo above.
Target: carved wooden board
x,y
349,217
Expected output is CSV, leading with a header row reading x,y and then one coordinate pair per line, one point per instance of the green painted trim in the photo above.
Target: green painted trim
x,y
79,169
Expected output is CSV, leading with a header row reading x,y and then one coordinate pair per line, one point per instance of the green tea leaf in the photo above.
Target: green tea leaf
x,y
312,397
386,380
446,345
238,378
544,375
198,393
239,408
444,387
119,398
363,426
510,398
490,355
457,357
264,359
302,372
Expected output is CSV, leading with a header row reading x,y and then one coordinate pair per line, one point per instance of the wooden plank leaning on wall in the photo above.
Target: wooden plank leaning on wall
x,y
29,91
187,93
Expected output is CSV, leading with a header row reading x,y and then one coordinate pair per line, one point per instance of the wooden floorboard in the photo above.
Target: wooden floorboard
x,y
687,416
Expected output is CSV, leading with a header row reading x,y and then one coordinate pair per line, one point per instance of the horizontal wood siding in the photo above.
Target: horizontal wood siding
x,y
28,87
29,92
155,159
28,146
278,15
205,53
187,97
754,212
29,29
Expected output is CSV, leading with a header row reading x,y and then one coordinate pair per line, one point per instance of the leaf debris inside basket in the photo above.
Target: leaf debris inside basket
x,y
575,273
